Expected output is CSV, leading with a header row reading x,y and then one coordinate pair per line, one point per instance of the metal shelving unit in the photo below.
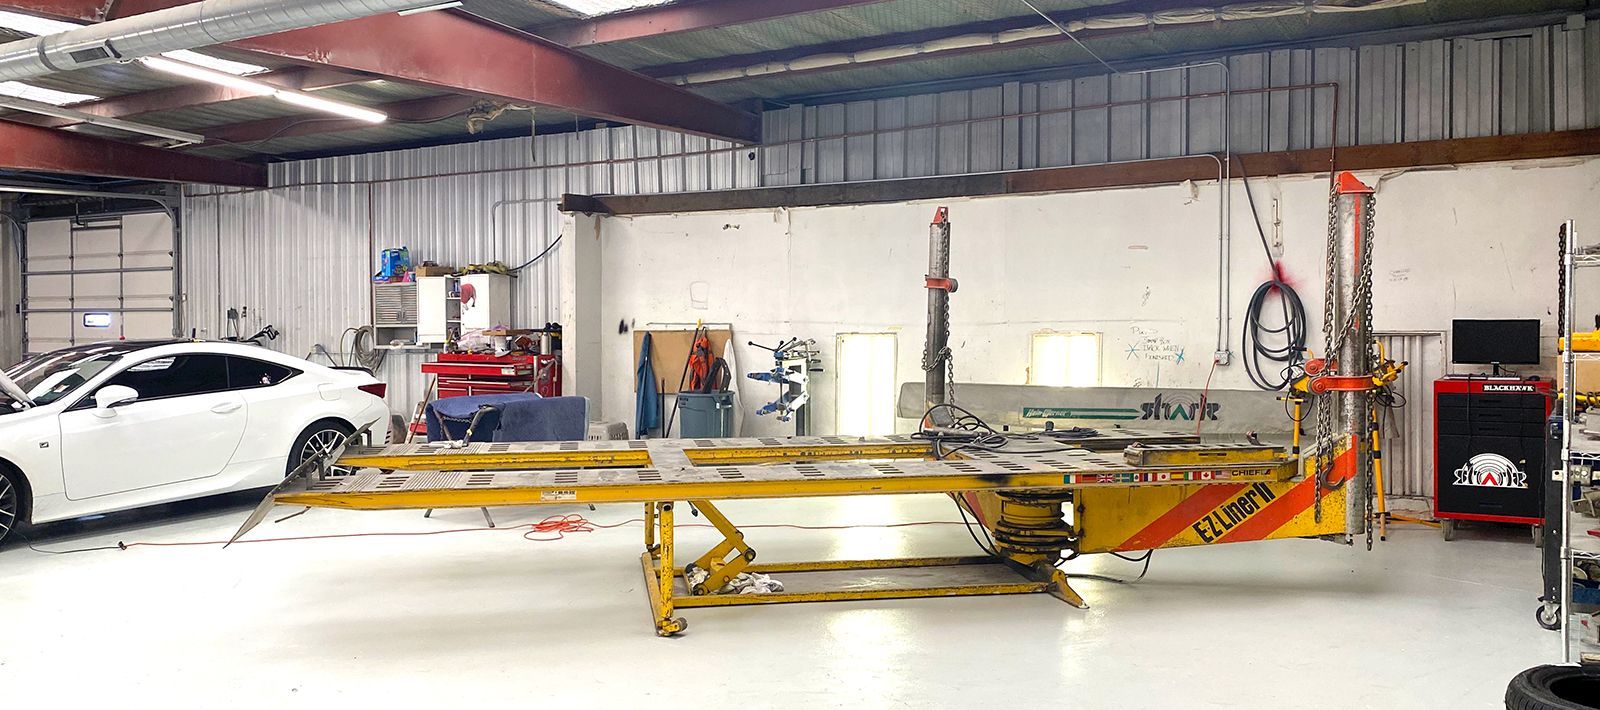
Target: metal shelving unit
x,y
1578,451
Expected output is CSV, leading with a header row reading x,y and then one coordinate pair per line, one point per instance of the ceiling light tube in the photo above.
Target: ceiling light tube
x,y
190,71
40,107
300,98
261,88
431,8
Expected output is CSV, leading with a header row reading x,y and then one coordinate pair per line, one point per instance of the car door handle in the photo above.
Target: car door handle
x,y
226,407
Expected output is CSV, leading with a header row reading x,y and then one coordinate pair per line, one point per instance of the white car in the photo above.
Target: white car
x,y
117,425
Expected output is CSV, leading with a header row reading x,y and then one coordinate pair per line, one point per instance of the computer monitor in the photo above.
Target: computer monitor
x,y
1498,342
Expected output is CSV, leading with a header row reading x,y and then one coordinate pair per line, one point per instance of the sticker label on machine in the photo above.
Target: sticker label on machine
x,y
1233,512
558,496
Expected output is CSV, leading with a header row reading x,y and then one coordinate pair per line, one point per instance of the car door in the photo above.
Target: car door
x,y
184,425
278,399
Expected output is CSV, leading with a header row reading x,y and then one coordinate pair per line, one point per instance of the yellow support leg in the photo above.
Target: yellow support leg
x,y
660,572
650,529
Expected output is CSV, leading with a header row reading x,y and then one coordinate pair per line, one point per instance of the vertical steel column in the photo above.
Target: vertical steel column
x,y
1352,309
936,347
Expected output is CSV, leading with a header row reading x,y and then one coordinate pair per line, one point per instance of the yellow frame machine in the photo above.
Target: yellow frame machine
x,y
1041,499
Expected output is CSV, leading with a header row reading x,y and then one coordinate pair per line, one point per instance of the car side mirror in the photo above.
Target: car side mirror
x,y
112,395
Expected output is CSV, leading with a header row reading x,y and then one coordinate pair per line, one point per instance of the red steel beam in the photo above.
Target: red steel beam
x,y
686,17
49,150
198,94
457,53
426,110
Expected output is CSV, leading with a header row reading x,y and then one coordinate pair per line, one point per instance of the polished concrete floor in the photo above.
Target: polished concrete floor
x,y
489,619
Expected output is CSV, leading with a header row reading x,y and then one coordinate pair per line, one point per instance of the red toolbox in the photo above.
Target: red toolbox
x,y
463,374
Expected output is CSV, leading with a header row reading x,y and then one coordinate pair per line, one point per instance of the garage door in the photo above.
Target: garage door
x,y
97,279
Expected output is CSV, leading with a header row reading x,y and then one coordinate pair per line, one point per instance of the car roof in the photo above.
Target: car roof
x,y
172,346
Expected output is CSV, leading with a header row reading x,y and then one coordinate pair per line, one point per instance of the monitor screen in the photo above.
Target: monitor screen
x,y
1506,342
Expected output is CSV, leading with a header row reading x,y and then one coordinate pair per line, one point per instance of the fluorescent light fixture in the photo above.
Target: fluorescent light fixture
x,y
45,109
299,98
593,8
38,26
30,92
226,66
190,71
431,8
261,88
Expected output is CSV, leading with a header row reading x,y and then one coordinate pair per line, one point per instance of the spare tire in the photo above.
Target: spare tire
x,y
1555,688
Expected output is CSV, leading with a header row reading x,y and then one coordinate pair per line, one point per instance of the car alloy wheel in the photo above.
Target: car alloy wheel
x,y
323,442
10,506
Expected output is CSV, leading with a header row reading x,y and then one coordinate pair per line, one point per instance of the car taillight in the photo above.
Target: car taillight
x,y
377,389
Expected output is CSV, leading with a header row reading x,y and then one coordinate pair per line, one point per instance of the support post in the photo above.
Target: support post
x,y
936,347
1352,306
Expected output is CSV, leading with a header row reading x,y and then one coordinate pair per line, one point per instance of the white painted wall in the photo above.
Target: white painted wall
x,y
1138,265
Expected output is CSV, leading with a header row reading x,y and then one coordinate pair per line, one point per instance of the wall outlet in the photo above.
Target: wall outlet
x,y
1223,356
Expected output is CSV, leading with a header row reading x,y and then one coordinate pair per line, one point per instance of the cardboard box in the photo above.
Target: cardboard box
x,y
1587,375
435,271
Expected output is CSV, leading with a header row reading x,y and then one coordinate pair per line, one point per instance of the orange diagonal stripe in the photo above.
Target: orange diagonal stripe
x,y
1281,511
1181,516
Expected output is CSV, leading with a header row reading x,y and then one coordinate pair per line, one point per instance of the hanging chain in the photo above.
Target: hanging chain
x,y
944,358
1323,404
1364,294
1357,319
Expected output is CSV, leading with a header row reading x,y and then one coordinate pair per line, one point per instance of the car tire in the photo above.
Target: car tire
x,y
13,503
1555,688
317,437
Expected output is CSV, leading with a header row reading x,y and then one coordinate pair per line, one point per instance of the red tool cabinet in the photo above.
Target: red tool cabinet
x,y
464,374
1488,448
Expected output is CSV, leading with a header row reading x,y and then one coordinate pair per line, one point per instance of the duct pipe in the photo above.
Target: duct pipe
x,y
188,26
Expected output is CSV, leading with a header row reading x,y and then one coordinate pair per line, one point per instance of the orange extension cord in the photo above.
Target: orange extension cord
x,y
557,525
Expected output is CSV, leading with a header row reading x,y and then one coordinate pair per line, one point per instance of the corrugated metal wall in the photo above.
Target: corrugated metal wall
x,y
1408,428
10,289
298,255
1541,79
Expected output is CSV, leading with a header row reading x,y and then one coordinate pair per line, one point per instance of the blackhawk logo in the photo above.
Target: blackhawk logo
x,y
1491,471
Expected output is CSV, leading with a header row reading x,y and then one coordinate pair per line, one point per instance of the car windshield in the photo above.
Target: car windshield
x,y
51,376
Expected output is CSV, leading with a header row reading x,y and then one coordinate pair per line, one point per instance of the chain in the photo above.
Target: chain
x,y
1364,291
950,375
1561,282
1323,404
944,358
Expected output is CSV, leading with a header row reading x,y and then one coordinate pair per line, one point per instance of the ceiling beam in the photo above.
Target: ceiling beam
x,y
454,52
459,53
1167,171
686,17
425,110
196,94
862,44
48,150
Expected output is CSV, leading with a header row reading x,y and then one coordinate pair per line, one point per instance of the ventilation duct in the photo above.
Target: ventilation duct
x,y
184,27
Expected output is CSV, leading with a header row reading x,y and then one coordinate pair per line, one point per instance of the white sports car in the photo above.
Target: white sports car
x,y
117,425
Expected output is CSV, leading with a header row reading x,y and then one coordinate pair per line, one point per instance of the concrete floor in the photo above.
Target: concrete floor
x,y
488,618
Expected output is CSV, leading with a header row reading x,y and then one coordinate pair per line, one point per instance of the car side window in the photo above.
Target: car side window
x,y
175,376
246,373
